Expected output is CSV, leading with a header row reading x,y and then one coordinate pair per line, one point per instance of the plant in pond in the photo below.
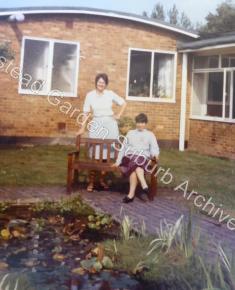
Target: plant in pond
x,y
174,250
229,265
15,281
4,206
98,262
127,225
99,221
68,206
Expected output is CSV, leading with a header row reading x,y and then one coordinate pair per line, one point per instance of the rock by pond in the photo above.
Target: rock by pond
x,y
49,251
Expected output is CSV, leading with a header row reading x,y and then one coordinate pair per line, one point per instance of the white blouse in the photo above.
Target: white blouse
x,y
139,142
101,105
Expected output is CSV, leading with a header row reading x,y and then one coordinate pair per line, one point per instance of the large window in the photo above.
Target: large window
x,y
151,76
214,87
49,65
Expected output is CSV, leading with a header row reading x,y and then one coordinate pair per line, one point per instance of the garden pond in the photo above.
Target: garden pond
x,y
52,246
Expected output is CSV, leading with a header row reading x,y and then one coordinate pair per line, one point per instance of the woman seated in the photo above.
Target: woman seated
x,y
134,157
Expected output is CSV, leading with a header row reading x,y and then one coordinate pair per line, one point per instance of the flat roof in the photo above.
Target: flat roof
x,y
225,40
97,12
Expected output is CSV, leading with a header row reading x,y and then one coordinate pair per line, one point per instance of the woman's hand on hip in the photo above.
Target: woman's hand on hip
x,y
117,117
81,131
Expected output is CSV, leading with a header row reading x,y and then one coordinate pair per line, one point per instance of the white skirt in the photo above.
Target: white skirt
x,y
107,128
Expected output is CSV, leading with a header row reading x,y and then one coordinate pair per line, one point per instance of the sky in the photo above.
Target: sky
x,y
197,10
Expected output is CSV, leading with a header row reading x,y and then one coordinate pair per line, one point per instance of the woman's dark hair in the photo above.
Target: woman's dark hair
x,y
102,76
141,118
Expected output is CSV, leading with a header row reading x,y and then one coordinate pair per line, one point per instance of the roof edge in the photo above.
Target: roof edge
x,y
99,12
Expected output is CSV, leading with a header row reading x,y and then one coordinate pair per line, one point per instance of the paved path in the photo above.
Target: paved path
x,y
168,205
163,207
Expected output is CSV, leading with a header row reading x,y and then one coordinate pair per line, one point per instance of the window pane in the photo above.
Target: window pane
x,y
228,94
163,78
208,94
215,94
228,60
140,71
233,110
199,102
206,61
35,65
64,67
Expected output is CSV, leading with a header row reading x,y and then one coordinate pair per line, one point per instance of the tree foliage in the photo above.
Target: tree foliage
x,y
158,12
223,20
172,16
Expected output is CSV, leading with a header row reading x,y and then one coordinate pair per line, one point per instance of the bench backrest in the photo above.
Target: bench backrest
x,y
93,146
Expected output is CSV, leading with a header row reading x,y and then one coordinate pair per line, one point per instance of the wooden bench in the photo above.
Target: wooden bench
x,y
77,162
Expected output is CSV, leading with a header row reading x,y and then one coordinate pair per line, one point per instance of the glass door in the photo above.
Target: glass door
x,y
229,104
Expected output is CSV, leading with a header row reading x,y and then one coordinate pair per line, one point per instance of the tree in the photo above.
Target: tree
x,y
173,15
145,14
222,21
158,12
185,22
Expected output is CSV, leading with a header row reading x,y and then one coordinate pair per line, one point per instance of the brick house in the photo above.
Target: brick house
x,y
185,85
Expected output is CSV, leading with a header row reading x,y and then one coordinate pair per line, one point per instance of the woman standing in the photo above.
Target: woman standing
x,y
99,103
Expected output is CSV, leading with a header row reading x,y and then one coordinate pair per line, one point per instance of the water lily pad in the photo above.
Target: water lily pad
x,y
91,218
107,262
88,264
97,266
79,271
5,234
91,226
59,257
105,221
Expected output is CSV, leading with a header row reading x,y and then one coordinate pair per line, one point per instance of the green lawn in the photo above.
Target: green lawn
x,y
47,165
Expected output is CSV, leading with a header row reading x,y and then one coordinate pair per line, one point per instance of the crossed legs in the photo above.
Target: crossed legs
x,y
137,175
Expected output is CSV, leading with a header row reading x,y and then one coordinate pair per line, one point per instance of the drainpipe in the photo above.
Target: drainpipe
x,y
183,102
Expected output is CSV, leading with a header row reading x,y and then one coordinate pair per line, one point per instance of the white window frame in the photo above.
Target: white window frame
x,y
51,42
150,98
208,70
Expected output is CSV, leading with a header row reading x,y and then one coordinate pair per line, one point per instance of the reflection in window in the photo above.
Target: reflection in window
x,y
215,94
208,94
64,67
49,65
228,60
163,76
140,70
35,65
202,62
151,75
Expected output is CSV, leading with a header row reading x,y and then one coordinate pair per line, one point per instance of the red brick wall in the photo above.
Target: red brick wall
x,y
212,138
104,46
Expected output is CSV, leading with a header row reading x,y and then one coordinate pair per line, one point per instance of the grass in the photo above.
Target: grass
x,y
207,175
39,165
47,165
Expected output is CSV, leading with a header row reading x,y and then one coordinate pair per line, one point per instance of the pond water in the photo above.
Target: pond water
x,y
44,252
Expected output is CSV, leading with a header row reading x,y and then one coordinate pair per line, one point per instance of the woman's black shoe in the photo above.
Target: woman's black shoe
x,y
126,199
143,195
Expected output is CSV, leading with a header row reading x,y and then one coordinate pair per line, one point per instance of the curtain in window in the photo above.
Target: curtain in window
x,y
165,77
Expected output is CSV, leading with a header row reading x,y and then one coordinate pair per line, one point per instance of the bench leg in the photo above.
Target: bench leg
x,y
70,174
153,187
